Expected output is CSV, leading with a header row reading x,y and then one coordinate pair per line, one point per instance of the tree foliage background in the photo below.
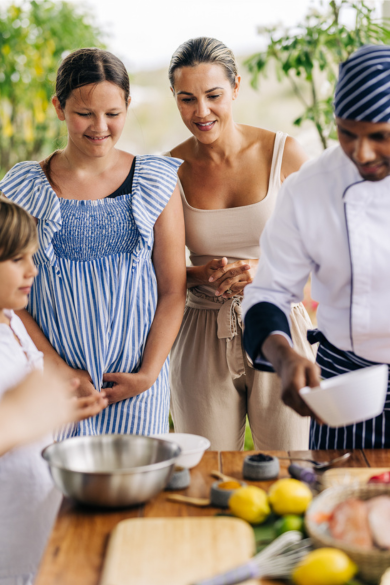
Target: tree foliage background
x,y
34,37
309,55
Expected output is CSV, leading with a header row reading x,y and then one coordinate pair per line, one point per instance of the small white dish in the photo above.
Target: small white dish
x,y
349,398
192,447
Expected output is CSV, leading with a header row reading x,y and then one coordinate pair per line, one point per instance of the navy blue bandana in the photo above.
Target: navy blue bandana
x,y
363,88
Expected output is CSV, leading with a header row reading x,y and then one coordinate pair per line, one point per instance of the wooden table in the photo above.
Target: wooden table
x,y
76,549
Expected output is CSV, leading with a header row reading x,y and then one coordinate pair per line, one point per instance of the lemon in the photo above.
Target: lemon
x,y
289,522
289,496
250,503
325,566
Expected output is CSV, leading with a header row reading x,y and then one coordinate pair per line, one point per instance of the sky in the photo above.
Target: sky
x,y
145,33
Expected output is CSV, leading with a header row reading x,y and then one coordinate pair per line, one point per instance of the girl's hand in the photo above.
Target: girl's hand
x,y
83,408
125,385
231,279
39,404
86,400
85,387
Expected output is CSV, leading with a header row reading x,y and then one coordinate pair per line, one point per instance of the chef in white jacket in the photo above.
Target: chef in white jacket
x,y
332,219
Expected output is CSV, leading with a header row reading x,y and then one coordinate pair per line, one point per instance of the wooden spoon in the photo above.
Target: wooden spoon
x,y
222,476
200,502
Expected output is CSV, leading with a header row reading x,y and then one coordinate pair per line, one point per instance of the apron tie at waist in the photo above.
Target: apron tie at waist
x,y
229,316
315,336
229,324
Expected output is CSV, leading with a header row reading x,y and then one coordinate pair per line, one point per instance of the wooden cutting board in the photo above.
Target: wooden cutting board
x,y
350,475
175,551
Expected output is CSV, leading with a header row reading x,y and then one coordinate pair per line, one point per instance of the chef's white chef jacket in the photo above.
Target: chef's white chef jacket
x,y
330,222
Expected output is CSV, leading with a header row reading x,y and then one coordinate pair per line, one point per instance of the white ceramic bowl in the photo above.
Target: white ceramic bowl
x,y
192,447
349,398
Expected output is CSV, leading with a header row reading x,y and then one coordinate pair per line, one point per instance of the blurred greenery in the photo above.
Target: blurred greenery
x,y
248,445
34,37
312,52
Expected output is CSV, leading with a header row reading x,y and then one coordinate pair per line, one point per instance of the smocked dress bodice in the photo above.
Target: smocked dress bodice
x,y
95,295
94,229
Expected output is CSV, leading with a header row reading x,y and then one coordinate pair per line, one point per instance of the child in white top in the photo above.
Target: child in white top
x,y
28,499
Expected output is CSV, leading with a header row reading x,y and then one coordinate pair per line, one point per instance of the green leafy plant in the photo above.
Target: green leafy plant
x,y
308,56
248,445
34,37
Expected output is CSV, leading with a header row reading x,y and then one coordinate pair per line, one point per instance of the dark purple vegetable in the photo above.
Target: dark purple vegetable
x,y
303,474
260,458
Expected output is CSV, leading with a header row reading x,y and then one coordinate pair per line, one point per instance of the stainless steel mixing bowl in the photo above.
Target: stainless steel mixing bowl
x,y
111,470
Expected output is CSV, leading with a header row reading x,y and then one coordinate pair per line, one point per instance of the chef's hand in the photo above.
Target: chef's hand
x,y
233,277
295,372
126,385
201,275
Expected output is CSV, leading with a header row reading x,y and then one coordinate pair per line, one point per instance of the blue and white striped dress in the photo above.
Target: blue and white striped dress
x,y
95,295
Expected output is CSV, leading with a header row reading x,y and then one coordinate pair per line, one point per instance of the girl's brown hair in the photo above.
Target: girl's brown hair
x,y
83,67
18,231
203,50
86,66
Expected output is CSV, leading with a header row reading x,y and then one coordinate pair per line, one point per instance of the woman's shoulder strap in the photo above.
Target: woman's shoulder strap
x,y
277,159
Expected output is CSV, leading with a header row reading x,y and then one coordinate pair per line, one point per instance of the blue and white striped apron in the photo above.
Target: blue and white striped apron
x,y
95,295
370,434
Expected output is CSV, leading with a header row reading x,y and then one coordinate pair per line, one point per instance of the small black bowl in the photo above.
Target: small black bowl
x,y
260,467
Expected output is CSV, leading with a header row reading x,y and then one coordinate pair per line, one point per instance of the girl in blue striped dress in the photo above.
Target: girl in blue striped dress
x,y
109,296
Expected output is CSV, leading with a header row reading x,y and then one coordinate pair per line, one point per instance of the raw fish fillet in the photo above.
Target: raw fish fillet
x,y
379,520
349,523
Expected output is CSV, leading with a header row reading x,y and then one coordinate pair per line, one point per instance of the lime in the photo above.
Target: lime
x,y
289,496
324,566
250,503
289,522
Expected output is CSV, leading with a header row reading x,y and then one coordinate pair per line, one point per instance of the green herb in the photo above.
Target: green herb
x,y
308,55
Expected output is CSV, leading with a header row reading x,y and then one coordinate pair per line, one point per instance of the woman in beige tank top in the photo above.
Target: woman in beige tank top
x,y
229,182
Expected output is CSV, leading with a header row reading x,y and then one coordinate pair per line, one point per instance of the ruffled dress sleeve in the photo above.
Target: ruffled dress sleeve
x,y
26,184
155,178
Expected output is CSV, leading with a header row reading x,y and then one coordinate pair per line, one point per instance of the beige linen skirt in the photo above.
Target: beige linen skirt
x,y
214,386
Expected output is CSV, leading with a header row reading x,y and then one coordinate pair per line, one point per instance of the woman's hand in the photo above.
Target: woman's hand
x,y
126,385
216,271
200,275
231,279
